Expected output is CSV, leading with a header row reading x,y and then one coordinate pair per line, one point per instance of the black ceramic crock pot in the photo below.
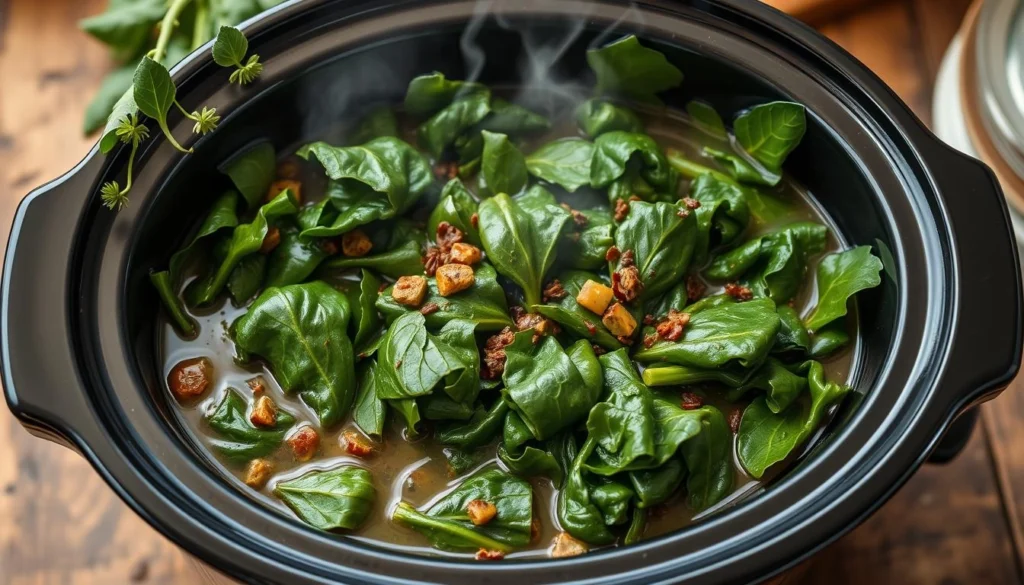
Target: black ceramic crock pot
x,y
942,333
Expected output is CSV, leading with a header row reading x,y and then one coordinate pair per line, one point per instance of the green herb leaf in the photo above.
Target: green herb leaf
x,y
503,167
549,387
124,108
564,162
840,276
627,68
519,235
252,171
230,47
597,116
332,499
154,94
447,523
482,303
300,330
369,410
238,439
769,132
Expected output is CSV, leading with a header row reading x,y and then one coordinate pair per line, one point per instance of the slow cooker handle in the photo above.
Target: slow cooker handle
x,y
985,348
40,377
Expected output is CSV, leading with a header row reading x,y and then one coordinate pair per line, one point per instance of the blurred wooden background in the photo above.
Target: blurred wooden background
x,y
61,525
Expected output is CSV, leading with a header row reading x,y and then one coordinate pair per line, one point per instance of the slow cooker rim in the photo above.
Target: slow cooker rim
x,y
193,64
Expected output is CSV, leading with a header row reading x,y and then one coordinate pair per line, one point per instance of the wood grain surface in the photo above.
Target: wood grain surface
x,y
61,525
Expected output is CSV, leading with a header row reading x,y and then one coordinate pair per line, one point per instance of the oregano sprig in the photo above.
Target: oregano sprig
x,y
229,51
153,93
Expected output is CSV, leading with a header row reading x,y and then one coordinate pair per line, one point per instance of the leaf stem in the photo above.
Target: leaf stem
x,y
691,169
170,137
167,25
414,518
185,113
201,27
131,163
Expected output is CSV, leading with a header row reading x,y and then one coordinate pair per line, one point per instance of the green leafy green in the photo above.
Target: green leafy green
x,y
331,499
576,513
362,298
369,410
380,122
412,362
300,330
238,439
597,116
377,180
656,486
294,259
482,303
447,523
169,296
479,430
404,260
708,459
503,167
743,170
743,332
457,207
154,93
623,423
769,132
722,216
252,171
707,119
765,437
840,276
442,129
569,314
612,499
427,94
617,152
828,339
247,278
793,336
585,248
535,461
627,68
229,50
662,243
551,388
564,162
520,235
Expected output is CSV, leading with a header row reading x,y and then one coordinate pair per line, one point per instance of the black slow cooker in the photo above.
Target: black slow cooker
x,y
942,333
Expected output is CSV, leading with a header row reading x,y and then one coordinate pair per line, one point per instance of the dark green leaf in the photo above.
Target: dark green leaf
x,y
169,296
569,314
479,430
576,513
409,410
369,410
661,241
564,162
246,239
447,523
549,387
247,278
530,461
294,259
743,170
380,122
252,171
597,116
502,167
238,439
830,338
153,90
708,458
782,385
441,407
124,108
623,424
586,248
792,335
331,499
769,132
637,526
743,332
300,330
429,93
362,298
442,129
612,499
615,152
520,234
707,119
655,486
457,207
627,68
840,276
230,47
412,362
404,260
765,438
482,303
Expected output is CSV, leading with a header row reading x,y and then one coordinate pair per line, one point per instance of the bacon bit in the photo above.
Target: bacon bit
x,y
621,210
474,220
738,292
691,401
683,213
446,170
329,247
649,319
671,328
628,259
591,328
257,385
270,241
429,309
695,288
489,555
304,443
462,253
565,545
264,412
258,472
691,203
579,219
734,420
554,291
650,339
494,354
190,378
433,260
598,350
612,254
410,291
447,234
481,512
625,339
277,186
626,283
355,445
355,244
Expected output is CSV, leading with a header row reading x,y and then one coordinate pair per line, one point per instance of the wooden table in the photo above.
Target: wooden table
x,y
60,524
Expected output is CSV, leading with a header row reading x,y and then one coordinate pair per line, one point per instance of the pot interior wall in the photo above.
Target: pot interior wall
x,y
315,102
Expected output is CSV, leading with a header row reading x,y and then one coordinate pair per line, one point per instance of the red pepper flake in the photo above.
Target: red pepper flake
x,y
691,203
691,401
429,309
648,319
671,328
474,220
628,259
591,328
650,339
734,420
621,209
612,254
739,292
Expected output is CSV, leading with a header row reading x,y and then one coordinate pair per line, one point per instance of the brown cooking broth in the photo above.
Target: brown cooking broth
x,y
416,470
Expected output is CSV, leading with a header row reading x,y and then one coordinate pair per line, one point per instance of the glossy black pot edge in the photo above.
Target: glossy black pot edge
x,y
953,172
